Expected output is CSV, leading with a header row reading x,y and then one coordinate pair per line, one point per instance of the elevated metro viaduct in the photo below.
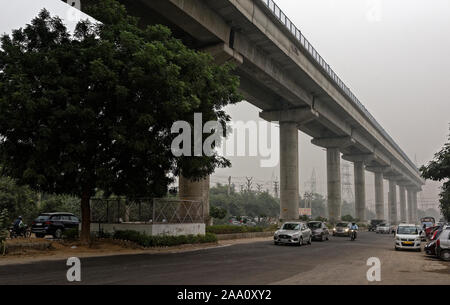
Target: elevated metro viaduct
x,y
283,75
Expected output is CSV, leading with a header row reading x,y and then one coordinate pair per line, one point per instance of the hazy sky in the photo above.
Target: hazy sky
x,y
393,54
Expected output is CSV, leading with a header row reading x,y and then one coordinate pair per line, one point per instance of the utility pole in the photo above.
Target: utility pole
x,y
347,191
249,183
275,188
259,187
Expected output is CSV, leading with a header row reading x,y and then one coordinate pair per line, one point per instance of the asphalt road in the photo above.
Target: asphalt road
x,y
336,261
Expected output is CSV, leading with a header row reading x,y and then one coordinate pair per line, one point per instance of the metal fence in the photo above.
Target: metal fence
x,y
297,34
146,210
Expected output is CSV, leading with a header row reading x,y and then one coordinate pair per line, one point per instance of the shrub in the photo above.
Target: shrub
x,y
147,241
227,229
3,229
71,234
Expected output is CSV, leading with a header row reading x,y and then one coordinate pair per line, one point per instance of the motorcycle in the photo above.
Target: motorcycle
x,y
23,232
352,235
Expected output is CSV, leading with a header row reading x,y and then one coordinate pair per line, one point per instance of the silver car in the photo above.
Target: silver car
x,y
443,250
296,233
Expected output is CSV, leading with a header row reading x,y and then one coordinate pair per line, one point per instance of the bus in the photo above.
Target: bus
x,y
427,221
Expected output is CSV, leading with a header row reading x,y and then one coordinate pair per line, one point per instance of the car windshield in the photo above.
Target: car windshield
x,y
291,226
407,230
42,217
314,225
342,224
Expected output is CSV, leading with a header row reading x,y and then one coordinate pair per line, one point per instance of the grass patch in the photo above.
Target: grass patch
x,y
148,241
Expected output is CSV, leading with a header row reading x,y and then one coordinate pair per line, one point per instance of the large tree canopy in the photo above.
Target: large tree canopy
x,y
94,109
439,170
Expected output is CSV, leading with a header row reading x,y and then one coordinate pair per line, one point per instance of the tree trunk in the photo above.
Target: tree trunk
x,y
85,235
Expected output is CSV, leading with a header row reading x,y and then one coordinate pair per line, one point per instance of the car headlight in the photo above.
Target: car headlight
x,y
334,229
346,230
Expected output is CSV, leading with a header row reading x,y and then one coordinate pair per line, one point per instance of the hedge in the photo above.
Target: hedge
x,y
71,234
226,229
148,241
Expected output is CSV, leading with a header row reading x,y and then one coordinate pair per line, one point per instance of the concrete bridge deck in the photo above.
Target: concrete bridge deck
x,y
283,75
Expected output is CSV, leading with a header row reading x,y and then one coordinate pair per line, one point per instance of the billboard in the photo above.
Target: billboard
x,y
304,212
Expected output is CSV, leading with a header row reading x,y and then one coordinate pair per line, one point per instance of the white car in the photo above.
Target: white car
x,y
408,237
383,228
296,233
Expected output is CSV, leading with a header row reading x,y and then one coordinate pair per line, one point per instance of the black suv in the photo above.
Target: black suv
x,y
54,224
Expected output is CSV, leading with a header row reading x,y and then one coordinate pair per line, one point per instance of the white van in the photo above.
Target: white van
x,y
408,237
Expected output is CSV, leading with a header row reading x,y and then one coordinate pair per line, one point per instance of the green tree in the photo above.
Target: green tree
x,y
60,203
94,110
439,170
348,218
219,213
248,203
18,200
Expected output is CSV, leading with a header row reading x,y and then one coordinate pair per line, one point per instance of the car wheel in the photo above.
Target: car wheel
x,y
57,234
445,255
396,249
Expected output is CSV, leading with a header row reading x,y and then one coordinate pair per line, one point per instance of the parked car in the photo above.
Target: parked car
x,y
319,230
374,223
293,233
342,229
430,248
443,244
54,224
383,228
408,237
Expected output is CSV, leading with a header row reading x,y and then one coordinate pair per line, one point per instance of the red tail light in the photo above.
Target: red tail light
x,y
33,222
48,222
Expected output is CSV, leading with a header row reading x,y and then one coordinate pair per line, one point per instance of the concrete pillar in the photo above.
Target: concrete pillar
x,y
360,191
414,209
392,202
379,195
196,191
289,179
334,184
409,196
403,216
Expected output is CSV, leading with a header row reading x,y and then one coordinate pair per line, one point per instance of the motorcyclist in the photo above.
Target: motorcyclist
x,y
18,225
354,228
